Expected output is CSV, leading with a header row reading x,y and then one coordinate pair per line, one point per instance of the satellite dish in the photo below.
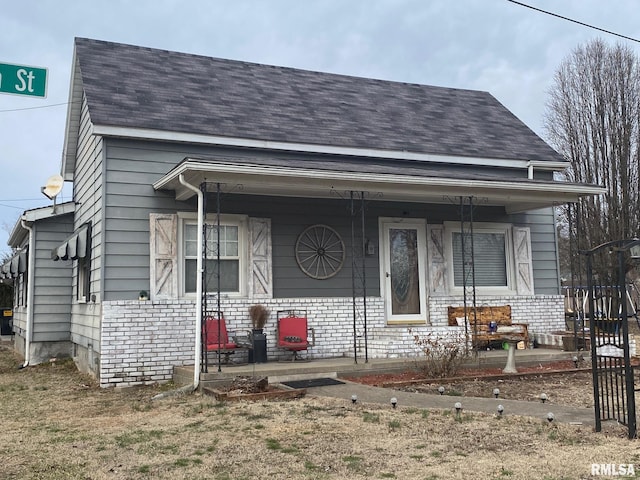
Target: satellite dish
x,y
53,186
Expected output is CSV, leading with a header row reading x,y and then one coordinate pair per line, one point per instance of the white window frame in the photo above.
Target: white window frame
x,y
240,221
505,229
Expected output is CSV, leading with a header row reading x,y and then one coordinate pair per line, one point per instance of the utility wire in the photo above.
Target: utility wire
x,y
11,206
574,21
19,199
35,108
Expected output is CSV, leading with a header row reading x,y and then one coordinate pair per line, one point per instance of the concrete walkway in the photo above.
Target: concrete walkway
x,y
343,368
370,394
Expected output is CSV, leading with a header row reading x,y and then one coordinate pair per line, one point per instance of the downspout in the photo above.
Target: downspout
x,y
30,282
199,269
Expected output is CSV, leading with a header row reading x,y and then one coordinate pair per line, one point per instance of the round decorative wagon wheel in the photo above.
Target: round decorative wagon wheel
x,y
320,252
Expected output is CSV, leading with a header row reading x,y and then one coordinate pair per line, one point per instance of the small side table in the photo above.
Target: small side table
x,y
510,367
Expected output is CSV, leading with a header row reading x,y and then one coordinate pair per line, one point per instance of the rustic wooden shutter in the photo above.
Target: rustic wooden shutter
x,y
524,265
436,260
163,249
260,281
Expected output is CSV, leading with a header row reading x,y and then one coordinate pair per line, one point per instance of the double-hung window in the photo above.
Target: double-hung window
x,y
84,273
20,287
487,256
229,241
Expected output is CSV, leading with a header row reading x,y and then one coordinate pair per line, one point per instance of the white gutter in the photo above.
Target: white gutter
x,y
199,270
291,175
30,282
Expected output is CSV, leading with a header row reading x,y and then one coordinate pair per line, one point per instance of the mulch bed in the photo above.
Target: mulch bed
x,y
252,389
415,376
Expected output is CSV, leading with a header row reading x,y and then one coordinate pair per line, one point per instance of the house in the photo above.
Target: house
x,y
47,296
349,198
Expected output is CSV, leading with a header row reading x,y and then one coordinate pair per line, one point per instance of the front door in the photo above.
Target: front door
x,y
403,270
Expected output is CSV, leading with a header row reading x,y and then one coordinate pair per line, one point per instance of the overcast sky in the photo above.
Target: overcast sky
x,y
491,45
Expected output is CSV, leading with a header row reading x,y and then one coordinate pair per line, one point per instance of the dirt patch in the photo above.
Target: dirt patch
x,y
59,425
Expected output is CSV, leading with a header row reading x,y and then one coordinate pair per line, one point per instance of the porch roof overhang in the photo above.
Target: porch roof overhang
x,y
260,178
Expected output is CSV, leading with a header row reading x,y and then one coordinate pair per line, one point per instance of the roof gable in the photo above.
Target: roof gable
x,y
143,88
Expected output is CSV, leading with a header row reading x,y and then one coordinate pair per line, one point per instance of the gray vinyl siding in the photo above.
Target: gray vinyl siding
x,y
52,282
289,216
88,195
132,167
544,250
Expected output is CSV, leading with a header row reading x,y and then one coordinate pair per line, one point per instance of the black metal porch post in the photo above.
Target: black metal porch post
x,y
218,274
353,280
364,280
204,362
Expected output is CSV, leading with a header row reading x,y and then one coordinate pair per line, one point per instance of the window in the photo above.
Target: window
x,y
491,257
83,279
231,247
20,289
79,248
17,268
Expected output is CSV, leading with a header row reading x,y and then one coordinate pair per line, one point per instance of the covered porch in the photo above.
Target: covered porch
x,y
391,184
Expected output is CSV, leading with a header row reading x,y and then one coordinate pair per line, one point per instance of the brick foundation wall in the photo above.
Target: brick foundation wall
x,y
141,341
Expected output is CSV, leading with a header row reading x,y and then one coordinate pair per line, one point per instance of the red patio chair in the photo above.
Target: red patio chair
x,y
216,336
293,333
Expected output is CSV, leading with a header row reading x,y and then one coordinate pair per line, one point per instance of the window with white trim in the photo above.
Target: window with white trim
x,y
231,243
492,257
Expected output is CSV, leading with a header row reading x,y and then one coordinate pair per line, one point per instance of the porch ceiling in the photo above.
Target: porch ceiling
x,y
516,195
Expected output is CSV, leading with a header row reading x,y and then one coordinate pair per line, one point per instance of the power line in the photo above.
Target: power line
x,y
574,21
11,206
35,108
19,199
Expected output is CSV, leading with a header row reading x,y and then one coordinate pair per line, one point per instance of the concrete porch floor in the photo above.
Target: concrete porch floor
x,y
346,367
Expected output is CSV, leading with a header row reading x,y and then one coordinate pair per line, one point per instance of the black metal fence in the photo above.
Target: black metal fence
x,y
608,314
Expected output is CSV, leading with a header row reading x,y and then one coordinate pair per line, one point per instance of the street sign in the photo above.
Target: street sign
x,y
22,80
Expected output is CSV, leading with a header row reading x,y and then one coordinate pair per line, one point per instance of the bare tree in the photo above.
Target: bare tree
x,y
593,120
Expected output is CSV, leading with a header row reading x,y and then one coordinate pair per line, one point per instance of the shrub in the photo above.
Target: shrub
x,y
443,357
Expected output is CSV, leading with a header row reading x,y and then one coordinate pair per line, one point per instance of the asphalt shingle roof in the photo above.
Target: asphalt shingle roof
x,y
138,87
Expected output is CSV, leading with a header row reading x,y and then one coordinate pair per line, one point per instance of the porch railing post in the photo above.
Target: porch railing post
x,y
353,279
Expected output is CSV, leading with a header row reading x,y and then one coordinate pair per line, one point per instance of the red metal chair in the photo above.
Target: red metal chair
x,y
293,332
216,337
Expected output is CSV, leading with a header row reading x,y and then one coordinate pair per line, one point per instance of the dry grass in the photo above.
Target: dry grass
x,y
56,424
